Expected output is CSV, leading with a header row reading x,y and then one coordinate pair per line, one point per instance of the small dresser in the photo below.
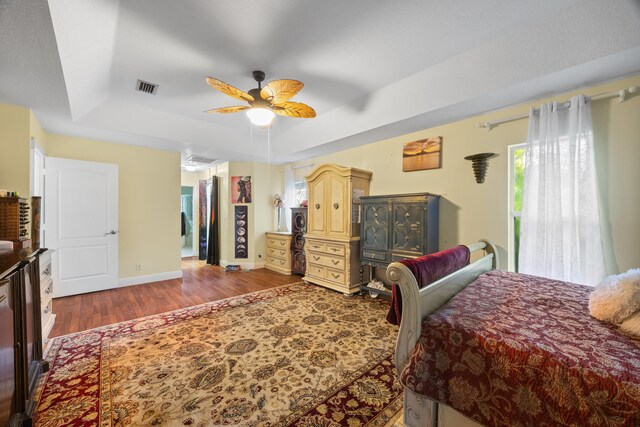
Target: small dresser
x,y
333,264
279,252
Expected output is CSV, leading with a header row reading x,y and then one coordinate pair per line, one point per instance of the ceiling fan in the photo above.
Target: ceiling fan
x,y
264,102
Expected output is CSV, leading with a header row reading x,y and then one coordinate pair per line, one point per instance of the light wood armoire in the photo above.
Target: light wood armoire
x,y
333,226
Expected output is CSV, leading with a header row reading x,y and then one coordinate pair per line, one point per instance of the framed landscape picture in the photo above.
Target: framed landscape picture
x,y
422,155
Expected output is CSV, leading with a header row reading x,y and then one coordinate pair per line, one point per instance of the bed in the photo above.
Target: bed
x,y
479,346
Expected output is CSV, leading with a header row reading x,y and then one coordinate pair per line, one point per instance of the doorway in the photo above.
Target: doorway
x,y
186,220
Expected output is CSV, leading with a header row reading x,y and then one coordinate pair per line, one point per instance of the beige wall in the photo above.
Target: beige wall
x,y
265,182
148,197
14,149
471,211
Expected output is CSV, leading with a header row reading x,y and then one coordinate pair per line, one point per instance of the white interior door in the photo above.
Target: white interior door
x,y
81,206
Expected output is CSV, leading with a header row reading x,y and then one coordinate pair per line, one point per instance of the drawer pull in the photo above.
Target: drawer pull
x,y
282,243
2,298
281,262
335,250
315,246
272,241
335,262
317,205
336,206
317,258
335,276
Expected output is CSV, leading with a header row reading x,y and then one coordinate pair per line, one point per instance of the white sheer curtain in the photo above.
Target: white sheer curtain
x,y
289,193
560,228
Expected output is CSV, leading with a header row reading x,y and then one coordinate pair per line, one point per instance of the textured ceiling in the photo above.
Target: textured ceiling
x,y
372,69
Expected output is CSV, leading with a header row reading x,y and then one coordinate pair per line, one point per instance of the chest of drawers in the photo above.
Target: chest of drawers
x,y
332,264
279,252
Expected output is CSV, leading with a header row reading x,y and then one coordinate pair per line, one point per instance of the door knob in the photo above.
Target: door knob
x,y
111,232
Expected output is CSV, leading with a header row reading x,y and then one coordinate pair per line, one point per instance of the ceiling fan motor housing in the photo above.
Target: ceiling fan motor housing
x,y
258,76
257,99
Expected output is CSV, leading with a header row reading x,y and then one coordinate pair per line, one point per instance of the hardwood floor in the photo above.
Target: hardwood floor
x,y
200,283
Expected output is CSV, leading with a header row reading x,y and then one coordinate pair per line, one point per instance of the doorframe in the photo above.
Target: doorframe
x,y
195,232
34,175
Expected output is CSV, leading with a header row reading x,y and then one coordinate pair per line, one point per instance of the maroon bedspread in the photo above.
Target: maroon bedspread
x,y
427,269
513,350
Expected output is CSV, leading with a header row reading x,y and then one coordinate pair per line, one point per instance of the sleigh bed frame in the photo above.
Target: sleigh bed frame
x,y
420,411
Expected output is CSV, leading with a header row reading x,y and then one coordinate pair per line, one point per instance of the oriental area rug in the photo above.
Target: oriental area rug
x,y
297,355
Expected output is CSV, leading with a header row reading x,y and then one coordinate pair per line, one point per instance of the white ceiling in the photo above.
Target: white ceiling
x,y
372,69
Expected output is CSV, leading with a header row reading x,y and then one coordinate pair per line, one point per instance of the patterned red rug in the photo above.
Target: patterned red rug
x,y
297,355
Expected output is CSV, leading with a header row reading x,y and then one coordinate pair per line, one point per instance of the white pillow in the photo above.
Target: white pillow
x,y
632,324
617,297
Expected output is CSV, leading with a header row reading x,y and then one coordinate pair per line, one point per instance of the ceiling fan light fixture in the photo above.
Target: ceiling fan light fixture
x,y
260,116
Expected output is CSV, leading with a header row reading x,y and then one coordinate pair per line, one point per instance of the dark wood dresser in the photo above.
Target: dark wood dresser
x,y
298,230
21,360
397,226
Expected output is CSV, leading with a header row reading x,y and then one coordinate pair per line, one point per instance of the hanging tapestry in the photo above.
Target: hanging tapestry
x,y
213,247
241,219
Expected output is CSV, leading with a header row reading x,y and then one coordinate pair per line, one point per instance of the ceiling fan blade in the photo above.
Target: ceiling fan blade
x,y
227,110
294,109
227,89
279,91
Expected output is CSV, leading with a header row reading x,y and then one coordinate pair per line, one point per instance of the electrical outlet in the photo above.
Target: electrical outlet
x,y
138,267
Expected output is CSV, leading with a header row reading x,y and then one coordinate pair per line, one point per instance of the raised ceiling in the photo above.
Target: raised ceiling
x,y
372,69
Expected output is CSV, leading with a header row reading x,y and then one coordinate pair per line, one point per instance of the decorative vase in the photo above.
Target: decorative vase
x,y
282,220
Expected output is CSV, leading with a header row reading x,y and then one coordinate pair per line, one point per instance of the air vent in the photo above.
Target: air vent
x,y
196,159
146,87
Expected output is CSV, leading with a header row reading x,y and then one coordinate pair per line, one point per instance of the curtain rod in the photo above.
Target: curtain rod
x,y
621,94
299,167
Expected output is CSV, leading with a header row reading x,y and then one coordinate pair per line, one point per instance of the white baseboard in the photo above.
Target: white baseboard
x,y
139,280
249,265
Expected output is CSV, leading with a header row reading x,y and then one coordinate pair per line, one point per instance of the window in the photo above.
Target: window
x,y
516,184
301,192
